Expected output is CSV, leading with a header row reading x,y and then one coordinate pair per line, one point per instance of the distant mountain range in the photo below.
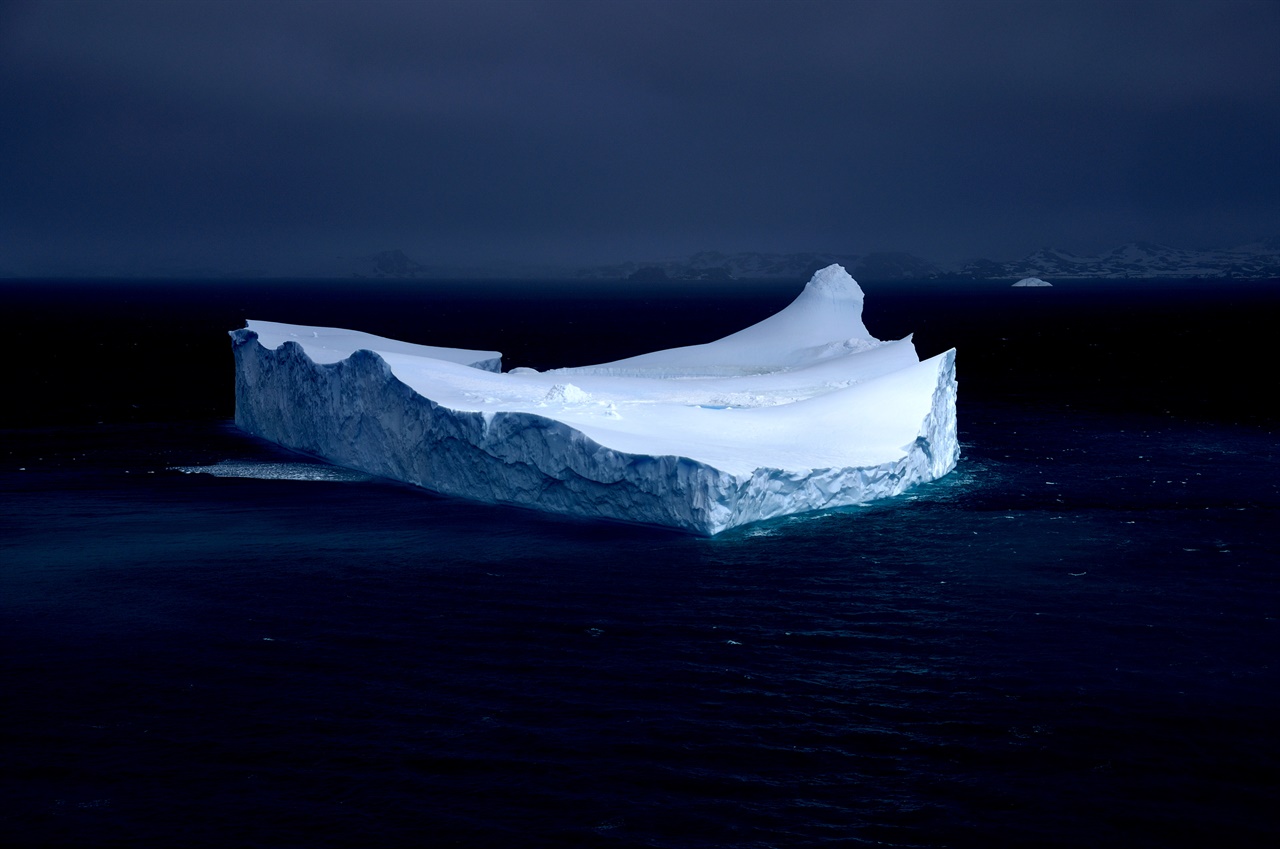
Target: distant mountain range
x,y
1136,260
1260,260
713,265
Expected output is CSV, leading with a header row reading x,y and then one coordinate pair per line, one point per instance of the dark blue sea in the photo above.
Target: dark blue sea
x,y
1071,641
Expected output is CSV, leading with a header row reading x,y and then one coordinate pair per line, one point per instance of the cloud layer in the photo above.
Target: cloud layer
x,y
264,133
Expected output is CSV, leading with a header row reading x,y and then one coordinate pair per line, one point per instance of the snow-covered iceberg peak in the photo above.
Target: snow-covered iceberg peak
x,y
802,411
828,310
826,317
834,282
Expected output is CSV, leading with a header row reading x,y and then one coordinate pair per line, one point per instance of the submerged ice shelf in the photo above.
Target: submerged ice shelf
x,y
802,411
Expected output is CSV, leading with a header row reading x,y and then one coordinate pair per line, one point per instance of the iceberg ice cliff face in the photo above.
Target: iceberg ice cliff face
x,y
802,411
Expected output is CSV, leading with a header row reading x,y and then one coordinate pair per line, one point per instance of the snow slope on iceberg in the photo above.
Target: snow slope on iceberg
x,y
332,344
802,411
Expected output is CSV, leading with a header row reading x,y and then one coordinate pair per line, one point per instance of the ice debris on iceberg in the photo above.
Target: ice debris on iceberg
x,y
803,411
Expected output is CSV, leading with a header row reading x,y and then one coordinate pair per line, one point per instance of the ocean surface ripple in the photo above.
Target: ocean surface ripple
x,y
1069,641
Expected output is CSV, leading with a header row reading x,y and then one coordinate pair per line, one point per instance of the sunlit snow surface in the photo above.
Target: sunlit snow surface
x,y
802,411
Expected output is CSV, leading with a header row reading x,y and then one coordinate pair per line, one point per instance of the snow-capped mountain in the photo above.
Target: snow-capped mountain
x,y
1259,260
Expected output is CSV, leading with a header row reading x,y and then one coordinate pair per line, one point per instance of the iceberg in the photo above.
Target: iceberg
x,y
802,411
1031,282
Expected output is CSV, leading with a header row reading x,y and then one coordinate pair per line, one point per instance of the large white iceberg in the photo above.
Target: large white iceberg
x,y
802,411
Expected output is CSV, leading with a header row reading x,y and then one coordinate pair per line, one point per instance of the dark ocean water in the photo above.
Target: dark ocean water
x,y
1070,641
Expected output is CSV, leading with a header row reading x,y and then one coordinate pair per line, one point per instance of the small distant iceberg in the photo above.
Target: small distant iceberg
x,y
1028,282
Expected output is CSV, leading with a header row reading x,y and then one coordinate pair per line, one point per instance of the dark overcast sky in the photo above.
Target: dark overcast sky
x,y
243,133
